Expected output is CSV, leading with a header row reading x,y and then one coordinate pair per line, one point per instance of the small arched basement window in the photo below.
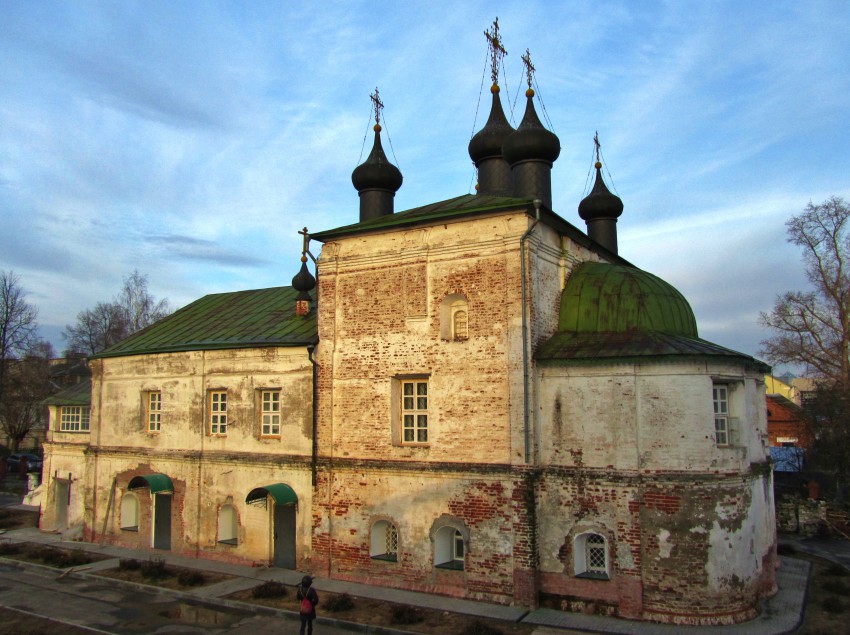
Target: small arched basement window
x,y
384,541
449,549
591,556
129,512
227,524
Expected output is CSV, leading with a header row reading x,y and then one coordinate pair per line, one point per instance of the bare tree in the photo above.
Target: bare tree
x,y
18,324
27,385
812,328
110,322
140,308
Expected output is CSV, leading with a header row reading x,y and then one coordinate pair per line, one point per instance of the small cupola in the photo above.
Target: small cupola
x,y
485,148
376,179
304,281
531,150
600,209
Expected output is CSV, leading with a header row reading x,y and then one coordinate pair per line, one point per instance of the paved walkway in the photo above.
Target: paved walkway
x,y
780,614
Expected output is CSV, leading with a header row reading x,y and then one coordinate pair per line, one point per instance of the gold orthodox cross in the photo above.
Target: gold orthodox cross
x,y
497,51
378,105
529,67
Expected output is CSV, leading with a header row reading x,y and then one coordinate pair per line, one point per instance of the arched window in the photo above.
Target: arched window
x,y
591,556
129,512
227,524
384,541
449,549
454,317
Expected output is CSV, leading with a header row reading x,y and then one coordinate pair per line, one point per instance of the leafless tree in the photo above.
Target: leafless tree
x,y
812,328
18,326
27,385
110,322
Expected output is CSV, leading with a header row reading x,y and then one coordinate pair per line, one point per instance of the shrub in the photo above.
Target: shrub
x,y
62,559
833,604
480,628
403,614
269,590
837,570
337,603
191,577
129,564
154,568
9,548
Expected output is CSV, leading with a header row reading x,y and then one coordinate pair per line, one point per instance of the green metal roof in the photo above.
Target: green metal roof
x,y
565,348
77,395
156,482
604,298
242,319
280,492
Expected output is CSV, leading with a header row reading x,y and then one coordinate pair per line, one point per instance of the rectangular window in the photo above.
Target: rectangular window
x,y
218,412
74,419
153,411
270,413
414,411
720,397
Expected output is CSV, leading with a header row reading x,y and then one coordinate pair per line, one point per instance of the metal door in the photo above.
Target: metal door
x,y
162,521
62,494
284,536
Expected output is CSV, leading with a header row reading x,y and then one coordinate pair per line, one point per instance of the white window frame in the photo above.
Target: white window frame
x,y
384,541
218,419
415,415
270,414
153,410
722,418
450,548
587,548
74,418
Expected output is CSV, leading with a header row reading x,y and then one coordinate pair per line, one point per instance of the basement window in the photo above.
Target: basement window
x,y
384,541
591,556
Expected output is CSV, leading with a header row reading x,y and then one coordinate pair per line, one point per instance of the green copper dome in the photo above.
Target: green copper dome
x,y
605,298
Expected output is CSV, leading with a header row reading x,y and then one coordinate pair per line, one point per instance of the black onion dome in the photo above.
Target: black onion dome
x,y
531,140
376,172
487,142
304,280
600,203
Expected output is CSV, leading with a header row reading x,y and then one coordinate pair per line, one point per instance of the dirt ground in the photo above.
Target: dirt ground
x,y
171,579
17,519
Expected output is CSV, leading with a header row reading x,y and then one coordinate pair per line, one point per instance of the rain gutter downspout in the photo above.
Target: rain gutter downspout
x,y
525,357
315,451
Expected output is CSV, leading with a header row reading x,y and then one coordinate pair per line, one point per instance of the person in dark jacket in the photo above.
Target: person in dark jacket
x,y
308,599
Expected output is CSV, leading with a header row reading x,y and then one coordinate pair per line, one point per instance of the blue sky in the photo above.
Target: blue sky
x,y
191,140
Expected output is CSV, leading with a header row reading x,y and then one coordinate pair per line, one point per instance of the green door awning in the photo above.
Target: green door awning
x,y
280,492
158,483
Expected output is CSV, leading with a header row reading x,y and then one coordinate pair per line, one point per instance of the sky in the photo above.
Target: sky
x,y
191,140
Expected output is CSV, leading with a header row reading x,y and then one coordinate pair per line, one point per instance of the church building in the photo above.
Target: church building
x,y
472,398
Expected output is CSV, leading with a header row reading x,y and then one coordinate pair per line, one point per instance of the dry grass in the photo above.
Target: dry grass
x,y
17,519
50,556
